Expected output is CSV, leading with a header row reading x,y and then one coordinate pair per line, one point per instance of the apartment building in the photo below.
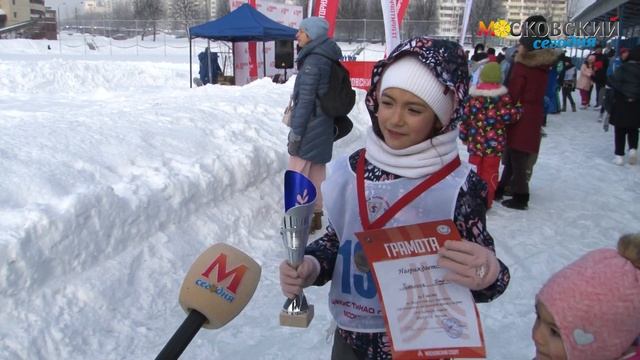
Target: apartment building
x,y
552,10
97,6
17,11
210,6
451,12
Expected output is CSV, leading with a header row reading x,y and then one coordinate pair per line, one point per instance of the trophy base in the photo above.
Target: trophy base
x,y
301,320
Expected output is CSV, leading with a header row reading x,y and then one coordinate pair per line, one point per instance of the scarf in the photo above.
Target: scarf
x,y
416,161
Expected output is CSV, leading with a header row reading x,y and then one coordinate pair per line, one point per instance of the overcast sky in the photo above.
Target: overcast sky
x,y
67,6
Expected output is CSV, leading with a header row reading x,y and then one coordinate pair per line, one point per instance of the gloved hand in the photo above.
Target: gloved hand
x,y
292,281
293,144
605,123
470,265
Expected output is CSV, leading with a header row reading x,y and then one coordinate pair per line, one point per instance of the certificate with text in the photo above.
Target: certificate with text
x,y
426,317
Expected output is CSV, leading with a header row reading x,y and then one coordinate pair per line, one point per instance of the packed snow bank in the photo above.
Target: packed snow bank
x,y
113,182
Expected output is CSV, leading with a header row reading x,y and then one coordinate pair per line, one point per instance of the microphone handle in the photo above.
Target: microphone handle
x,y
183,336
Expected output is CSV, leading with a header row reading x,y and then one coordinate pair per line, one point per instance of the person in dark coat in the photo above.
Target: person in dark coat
x,y
310,141
551,93
527,85
567,80
478,53
625,83
600,73
507,63
204,67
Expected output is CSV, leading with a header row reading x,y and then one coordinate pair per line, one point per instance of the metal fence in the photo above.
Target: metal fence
x,y
169,38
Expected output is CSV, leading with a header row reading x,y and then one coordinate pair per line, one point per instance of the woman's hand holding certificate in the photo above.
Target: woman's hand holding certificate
x,y
469,264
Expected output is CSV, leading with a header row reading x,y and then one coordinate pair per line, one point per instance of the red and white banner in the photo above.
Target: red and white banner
x,y
401,7
328,10
249,58
391,24
360,73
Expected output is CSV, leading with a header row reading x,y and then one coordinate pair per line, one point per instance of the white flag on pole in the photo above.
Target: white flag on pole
x,y
391,28
465,20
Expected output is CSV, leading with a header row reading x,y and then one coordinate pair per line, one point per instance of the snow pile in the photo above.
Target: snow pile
x,y
116,175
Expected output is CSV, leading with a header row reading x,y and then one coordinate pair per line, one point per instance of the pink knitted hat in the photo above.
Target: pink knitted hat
x,y
595,303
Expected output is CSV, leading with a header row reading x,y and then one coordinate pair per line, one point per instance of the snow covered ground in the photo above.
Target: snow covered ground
x,y
115,176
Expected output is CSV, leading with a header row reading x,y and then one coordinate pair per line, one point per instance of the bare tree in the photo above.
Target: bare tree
x,y
352,9
352,27
122,10
150,11
222,8
185,11
420,18
375,28
484,10
374,10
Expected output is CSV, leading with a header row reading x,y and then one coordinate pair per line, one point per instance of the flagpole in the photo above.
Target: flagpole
x,y
465,20
310,8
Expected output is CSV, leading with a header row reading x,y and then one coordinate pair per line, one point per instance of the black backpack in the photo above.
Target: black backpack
x,y
340,97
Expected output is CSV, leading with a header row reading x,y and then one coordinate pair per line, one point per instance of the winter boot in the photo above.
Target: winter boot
x,y
618,160
573,107
316,222
633,156
497,196
518,202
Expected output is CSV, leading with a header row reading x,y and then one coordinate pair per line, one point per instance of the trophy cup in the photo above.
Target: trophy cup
x,y
299,200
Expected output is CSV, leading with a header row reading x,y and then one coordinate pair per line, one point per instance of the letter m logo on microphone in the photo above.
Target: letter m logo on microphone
x,y
484,30
222,274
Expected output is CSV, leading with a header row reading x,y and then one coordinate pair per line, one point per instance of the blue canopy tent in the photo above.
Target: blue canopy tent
x,y
242,24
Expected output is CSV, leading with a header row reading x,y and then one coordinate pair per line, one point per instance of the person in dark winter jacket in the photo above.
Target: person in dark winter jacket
x,y
506,64
600,73
527,85
415,102
552,105
478,53
625,83
206,63
483,127
310,141
567,80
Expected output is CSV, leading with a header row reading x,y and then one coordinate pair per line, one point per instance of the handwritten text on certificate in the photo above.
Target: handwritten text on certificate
x,y
426,317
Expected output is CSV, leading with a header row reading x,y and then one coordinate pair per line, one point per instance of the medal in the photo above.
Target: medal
x,y
361,261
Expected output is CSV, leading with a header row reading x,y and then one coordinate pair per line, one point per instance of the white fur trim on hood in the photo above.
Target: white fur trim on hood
x,y
474,91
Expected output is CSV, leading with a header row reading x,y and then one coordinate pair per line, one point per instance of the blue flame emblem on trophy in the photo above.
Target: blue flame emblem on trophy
x,y
299,200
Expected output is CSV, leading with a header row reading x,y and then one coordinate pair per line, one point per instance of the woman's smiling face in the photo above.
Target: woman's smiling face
x,y
404,119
